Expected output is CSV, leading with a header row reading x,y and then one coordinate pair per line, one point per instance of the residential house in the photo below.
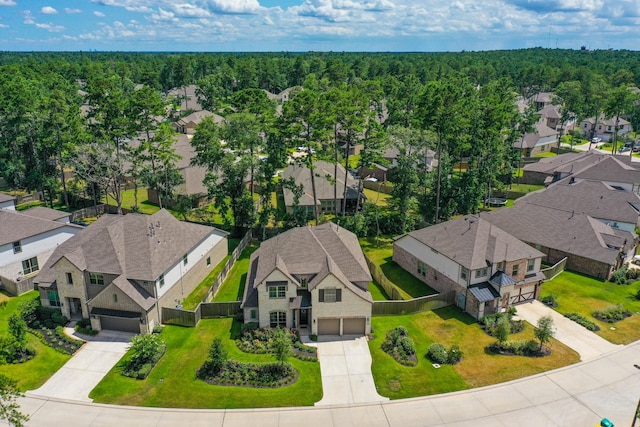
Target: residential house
x,y
590,246
310,278
618,172
541,140
121,270
552,169
541,100
611,206
325,183
384,173
603,128
551,117
185,98
187,125
488,268
7,202
27,240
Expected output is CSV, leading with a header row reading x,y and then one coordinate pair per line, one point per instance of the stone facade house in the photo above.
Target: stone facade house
x,y
121,270
310,278
489,269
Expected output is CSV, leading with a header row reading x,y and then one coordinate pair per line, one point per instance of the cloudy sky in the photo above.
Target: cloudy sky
x,y
318,25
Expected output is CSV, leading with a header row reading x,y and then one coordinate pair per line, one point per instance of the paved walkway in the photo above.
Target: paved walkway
x,y
588,344
577,395
76,379
345,366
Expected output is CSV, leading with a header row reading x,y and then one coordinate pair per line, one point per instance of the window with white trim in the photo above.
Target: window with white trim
x,y
277,291
481,273
30,265
422,268
514,270
96,279
330,295
531,264
161,280
464,273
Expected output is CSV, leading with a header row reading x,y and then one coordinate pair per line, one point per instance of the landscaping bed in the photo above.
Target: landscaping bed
x,y
260,341
398,345
57,339
260,375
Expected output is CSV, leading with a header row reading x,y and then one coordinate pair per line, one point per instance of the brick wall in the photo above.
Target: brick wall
x,y
579,264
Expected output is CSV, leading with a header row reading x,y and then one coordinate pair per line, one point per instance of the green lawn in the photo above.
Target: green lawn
x,y
128,201
377,198
382,255
196,296
583,294
233,287
32,374
377,293
173,383
525,188
478,368
546,154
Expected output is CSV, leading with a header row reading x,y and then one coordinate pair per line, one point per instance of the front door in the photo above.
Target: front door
x,y
304,317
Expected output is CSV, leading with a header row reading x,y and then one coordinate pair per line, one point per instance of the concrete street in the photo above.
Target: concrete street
x,y
577,395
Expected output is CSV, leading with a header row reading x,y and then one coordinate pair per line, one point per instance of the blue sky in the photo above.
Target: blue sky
x,y
318,25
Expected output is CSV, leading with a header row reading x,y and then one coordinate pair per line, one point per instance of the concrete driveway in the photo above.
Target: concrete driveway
x,y
76,379
586,343
345,366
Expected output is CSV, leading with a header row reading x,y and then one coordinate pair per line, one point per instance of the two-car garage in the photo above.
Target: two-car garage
x,y
342,326
118,320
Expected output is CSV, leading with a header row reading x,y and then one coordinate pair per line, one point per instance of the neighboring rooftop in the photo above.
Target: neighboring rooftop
x,y
324,188
46,213
472,242
15,225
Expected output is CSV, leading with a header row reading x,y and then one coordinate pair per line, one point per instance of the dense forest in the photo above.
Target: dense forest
x,y
107,115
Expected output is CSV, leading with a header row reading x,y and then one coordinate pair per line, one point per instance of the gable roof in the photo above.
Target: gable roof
x,y
324,188
140,247
571,232
46,213
593,198
472,241
6,198
550,112
564,162
197,117
312,252
18,225
610,168
532,138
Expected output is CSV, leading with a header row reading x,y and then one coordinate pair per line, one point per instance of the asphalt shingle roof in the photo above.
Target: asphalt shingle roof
x,y
324,188
310,252
472,241
16,226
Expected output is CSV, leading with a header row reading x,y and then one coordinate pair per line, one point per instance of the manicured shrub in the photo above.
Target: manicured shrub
x,y
632,274
398,345
580,320
549,300
612,314
455,355
438,353
146,349
620,276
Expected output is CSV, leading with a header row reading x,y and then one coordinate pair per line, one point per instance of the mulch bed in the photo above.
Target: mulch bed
x,y
58,343
541,353
292,379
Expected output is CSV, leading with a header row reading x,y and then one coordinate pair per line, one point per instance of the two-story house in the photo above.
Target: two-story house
x,y
310,278
488,268
121,270
27,240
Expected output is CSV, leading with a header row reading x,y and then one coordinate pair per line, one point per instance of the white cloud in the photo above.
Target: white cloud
x,y
7,3
28,17
4,26
50,27
233,6
70,11
99,14
48,10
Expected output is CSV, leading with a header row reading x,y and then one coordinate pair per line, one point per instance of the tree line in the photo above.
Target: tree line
x,y
105,116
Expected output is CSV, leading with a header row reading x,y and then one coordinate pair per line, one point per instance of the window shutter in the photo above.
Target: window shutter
x,y
321,295
338,295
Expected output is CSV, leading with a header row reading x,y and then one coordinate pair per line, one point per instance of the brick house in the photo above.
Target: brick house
x,y
489,269
121,270
311,278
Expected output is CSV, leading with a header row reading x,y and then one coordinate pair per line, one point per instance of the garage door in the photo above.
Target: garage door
x,y
120,324
353,326
328,326
525,294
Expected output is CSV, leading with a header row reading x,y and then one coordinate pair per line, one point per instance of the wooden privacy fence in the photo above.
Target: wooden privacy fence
x,y
378,276
554,270
205,310
416,305
213,289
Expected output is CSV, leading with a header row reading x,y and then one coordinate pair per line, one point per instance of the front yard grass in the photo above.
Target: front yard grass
x,y
233,287
382,255
32,374
478,368
173,383
577,293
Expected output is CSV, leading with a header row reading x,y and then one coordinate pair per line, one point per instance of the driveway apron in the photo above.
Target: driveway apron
x,y
345,365
588,344
76,379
